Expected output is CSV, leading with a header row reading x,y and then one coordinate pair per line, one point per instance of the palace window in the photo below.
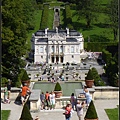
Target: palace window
x,y
41,49
61,48
52,48
72,49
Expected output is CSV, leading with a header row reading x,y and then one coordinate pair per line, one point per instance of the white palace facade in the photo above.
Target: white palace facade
x,y
57,46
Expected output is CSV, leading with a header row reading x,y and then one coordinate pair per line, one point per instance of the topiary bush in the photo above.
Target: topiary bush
x,y
89,75
91,112
25,76
26,115
57,87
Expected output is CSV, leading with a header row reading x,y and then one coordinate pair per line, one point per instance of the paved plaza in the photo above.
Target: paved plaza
x,y
56,114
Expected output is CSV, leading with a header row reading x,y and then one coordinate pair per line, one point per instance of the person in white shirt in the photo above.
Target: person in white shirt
x,y
79,108
88,97
52,100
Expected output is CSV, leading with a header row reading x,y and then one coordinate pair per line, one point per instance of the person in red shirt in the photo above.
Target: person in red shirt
x,y
47,99
24,92
67,113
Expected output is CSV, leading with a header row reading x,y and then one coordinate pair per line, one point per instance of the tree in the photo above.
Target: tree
x,y
88,9
97,80
112,12
17,17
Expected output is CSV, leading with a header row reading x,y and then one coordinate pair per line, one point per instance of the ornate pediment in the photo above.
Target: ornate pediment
x,y
56,37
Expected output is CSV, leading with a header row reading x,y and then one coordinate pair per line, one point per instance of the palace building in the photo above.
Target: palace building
x,y
57,46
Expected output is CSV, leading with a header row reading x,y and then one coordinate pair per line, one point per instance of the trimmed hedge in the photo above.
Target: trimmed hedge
x,y
26,115
91,111
98,46
44,18
68,16
57,87
106,56
89,75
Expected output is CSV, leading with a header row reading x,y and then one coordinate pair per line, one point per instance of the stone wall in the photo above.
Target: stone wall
x,y
106,92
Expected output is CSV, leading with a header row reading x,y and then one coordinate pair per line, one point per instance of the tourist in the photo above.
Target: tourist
x,y
88,97
73,100
42,98
67,112
52,100
6,100
62,78
24,93
79,108
47,99
9,89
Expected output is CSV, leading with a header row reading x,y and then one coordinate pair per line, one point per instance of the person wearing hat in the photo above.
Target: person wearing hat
x,y
79,108
25,89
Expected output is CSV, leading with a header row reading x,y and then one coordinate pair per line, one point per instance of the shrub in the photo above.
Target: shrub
x,y
57,87
4,81
97,80
89,75
25,76
91,111
26,115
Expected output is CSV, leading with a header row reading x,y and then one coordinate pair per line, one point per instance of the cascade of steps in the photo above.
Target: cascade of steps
x,y
56,21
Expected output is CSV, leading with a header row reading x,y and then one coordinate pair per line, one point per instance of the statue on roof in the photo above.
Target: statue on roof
x,y
56,30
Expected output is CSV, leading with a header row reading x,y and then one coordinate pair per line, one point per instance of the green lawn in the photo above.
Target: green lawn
x,y
99,29
5,114
112,113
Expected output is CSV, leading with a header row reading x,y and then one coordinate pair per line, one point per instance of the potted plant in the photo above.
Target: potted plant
x,y
25,79
58,90
89,79
91,113
37,75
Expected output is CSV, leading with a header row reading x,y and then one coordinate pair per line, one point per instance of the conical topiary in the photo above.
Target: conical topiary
x,y
91,112
57,87
26,115
25,76
89,75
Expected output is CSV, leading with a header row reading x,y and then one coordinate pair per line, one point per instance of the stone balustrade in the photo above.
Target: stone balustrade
x,y
64,100
101,92
106,92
